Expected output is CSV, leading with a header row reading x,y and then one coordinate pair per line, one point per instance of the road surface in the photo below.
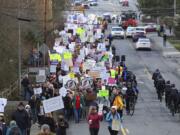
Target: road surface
x,y
151,117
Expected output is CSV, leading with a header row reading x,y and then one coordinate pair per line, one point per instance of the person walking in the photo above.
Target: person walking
x,y
49,120
25,83
45,130
13,129
21,118
78,103
113,119
164,39
93,119
3,126
118,102
62,125
28,109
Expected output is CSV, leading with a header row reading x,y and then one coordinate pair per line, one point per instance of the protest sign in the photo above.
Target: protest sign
x,y
63,91
53,104
111,81
42,72
94,74
3,103
116,125
103,93
100,109
40,78
53,68
65,79
104,76
37,91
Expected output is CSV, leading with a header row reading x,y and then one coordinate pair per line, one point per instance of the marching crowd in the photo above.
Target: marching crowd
x,y
92,81
163,87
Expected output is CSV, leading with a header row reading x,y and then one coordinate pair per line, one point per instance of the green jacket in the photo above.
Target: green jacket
x,y
81,101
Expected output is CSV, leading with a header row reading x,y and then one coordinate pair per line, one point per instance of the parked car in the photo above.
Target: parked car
x,y
117,32
143,43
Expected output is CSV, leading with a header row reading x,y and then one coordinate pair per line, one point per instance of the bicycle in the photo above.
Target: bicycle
x,y
132,102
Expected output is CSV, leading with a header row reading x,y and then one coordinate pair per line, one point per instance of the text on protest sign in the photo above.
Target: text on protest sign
x,y
53,104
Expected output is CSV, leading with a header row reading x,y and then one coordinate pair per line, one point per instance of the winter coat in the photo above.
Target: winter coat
x,y
95,120
61,129
21,118
110,117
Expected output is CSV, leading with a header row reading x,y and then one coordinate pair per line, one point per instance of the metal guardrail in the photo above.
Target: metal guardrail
x,y
8,92
12,91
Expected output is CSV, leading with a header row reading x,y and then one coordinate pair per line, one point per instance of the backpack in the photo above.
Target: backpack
x,y
15,131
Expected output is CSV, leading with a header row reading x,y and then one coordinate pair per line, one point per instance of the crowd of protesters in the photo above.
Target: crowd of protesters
x,y
80,94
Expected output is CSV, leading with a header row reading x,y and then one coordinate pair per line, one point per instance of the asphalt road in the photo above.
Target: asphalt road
x,y
151,117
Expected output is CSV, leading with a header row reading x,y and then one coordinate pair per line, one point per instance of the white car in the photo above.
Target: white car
x,y
143,43
130,31
93,3
117,32
121,1
141,28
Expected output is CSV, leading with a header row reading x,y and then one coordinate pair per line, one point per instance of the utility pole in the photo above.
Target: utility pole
x,y
19,46
45,21
174,8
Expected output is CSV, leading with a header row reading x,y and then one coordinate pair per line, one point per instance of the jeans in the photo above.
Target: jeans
x,y
23,131
34,114
94,131
77,114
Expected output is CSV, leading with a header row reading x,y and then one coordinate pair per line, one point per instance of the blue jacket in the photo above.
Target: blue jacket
x,y
110,117
10,128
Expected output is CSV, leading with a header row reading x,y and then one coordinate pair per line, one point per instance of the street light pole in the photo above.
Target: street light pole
x,y
174,8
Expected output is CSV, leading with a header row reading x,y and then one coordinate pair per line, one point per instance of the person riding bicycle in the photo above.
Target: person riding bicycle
x,y
129,95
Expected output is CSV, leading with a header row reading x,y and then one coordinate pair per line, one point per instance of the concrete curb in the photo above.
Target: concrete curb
x,y
171,54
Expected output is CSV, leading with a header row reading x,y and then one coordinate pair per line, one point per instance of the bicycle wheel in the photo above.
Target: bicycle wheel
x,y
131,108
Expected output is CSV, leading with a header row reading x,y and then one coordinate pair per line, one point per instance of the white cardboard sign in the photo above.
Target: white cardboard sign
x,y
53,104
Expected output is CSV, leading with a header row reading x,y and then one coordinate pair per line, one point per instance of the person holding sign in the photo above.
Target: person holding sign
x,y
93,120
113,118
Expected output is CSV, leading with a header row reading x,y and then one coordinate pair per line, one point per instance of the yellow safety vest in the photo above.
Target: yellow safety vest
x,y
113,73
55,57
67,55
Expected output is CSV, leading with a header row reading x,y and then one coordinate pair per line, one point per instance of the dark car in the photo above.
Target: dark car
x,y
138,35
85,6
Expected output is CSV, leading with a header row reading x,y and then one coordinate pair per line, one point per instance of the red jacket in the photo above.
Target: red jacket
x,y
96,118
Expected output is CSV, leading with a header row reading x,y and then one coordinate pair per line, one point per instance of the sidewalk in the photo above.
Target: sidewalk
x,y
169,51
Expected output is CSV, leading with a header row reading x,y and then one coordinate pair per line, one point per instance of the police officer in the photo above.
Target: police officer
x,y
160,87
174,97
167,91
155,75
